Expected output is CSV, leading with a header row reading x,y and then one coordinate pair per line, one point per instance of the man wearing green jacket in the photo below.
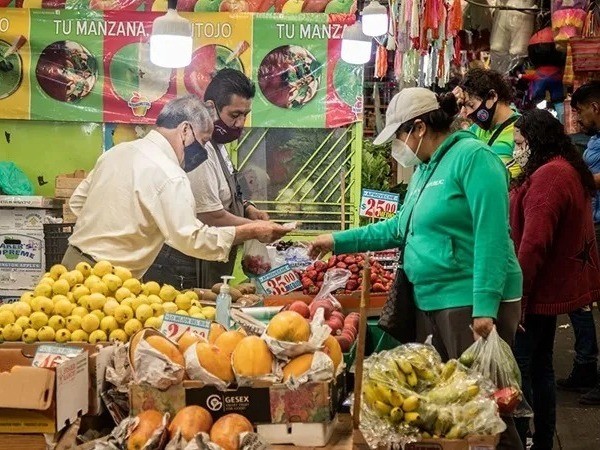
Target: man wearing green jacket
x,y
454,228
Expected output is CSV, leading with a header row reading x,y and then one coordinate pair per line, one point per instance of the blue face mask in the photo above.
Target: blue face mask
x,y
193,154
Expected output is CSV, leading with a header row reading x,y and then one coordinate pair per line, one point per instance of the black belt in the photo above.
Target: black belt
x,y
85,255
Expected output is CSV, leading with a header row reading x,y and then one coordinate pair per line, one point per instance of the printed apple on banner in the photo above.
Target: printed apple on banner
x,y
135,89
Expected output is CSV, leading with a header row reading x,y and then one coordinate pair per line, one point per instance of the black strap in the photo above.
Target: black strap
x,y
501,128
405,235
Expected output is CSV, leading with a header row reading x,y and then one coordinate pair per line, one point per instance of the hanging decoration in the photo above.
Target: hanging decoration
x,y
425,32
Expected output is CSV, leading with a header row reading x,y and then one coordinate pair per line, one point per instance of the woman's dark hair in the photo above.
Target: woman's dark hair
x,y
479,83
547,139
439,120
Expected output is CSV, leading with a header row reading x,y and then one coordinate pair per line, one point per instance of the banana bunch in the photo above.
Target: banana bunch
x,y
411,392
390,404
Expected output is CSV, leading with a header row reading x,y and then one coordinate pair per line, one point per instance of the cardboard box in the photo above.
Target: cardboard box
x,y
22,260
29,201
65,184
36,400
316,402
468,443
67,214
10,296
23,441
20,219
299,434
99,358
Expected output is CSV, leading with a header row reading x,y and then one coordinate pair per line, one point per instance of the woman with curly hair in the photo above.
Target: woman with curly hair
x,y
553,232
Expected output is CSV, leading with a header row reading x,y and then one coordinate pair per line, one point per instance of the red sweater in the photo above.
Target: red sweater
x,y
553,231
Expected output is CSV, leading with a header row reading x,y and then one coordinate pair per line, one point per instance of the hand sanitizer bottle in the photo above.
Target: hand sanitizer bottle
x,y
223,315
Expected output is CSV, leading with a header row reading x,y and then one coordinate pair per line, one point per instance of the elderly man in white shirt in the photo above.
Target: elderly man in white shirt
x,y
219,200
138,197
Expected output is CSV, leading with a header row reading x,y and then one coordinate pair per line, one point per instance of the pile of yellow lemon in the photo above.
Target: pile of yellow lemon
x,y
93,304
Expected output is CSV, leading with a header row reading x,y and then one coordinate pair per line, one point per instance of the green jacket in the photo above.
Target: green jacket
x,y
458,252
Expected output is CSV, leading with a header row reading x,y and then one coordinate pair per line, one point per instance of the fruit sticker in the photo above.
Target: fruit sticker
x,y
14,63
66,58
135,89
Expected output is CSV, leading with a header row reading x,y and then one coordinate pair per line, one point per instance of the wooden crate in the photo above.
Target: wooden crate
x,y
66,183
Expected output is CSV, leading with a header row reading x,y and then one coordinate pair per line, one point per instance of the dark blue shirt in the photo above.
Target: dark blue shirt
x,y
591,157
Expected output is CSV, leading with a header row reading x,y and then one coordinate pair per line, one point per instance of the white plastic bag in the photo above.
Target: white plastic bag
x,y
256,258
493,358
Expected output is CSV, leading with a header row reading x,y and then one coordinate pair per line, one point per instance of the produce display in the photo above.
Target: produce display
x,y
290,349
343,328
94,304
409,394
312,278
191,428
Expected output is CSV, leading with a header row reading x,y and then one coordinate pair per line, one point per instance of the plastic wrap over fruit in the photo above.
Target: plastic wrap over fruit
x,y
409,394
118,371
284,350
196,371
256,258
493,358
131,431
333,280
270,378
155,368
321,369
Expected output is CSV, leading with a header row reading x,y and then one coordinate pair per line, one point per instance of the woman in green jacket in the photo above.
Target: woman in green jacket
x,y
458,252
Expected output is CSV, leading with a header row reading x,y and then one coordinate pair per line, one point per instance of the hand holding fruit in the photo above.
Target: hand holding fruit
x,y
322,245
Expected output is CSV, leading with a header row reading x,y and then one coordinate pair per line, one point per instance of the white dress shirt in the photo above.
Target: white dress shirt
x,y
136,199
209,184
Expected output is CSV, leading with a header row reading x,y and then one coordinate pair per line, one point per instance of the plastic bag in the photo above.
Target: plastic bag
x,y
256,258
493,358
409,394
333,280
13,181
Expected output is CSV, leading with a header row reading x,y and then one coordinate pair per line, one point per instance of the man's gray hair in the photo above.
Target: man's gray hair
x,y
186,109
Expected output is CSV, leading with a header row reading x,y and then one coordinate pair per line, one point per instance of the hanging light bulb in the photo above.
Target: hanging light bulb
x,y
374,19
356,47
171,39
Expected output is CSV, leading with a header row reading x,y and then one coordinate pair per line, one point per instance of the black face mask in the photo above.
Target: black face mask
x,y
193,154
483,115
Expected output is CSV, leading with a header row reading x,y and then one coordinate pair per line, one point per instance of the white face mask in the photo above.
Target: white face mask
x,y
403,154
521,154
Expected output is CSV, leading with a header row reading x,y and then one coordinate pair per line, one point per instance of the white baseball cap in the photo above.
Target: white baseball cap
x,y
406,105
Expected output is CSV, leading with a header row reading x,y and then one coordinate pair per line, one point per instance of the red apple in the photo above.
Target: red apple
x,y
114,5
345,343
186,5
325,304
338,314
301,308
335,324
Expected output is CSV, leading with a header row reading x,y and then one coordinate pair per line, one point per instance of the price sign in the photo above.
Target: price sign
x,y
174,325
280,280
51,356
378,204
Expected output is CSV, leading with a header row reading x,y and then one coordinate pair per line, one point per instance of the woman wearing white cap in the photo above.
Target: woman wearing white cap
x,y
453,225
